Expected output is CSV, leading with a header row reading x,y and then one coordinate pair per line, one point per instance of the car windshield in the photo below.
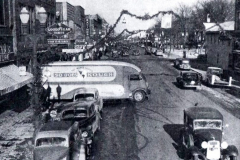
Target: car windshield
x,y
85,96
51,141
185,62
216,71
190,76
207,124
77,114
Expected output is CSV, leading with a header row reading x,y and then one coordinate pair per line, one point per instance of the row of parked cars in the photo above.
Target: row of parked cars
x,y
189,78
201,136
71,126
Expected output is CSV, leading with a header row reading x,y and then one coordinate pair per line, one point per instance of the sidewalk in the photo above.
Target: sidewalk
x,y
16,132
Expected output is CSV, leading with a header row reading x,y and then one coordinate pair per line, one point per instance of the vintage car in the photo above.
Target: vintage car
x,y
84,95
56,140
201,137
182,63
214,76
87,116
189,79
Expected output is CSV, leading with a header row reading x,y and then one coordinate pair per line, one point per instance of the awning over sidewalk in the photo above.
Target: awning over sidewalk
x,y
11,80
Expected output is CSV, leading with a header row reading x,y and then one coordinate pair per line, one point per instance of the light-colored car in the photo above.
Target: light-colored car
x,y
55,140
214,76
182,63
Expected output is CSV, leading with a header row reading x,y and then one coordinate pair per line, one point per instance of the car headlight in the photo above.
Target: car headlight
x,y
84,134
89,141
204,145
53,113
224,145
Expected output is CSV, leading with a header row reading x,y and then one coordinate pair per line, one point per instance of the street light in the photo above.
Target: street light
x,y
42,16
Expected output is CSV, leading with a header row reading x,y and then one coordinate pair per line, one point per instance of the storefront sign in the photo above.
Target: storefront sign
x,y
58,41
58,29
72,50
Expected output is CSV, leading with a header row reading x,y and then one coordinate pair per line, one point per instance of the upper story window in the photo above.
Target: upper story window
x,y
2,13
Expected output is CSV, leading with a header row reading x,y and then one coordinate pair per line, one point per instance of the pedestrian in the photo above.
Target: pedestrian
x,y
59,90
73,58
48,92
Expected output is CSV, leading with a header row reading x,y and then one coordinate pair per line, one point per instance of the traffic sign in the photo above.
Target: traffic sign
x,y
58,29
58,41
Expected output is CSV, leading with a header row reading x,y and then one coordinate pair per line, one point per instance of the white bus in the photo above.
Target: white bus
x,y
113,79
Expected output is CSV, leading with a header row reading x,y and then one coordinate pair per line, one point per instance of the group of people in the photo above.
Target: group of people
x,y
94,54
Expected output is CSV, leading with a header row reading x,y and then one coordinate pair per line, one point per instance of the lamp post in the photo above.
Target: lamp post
x,y
34,39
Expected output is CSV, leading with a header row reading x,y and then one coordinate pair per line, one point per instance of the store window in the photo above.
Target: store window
x,y
2,12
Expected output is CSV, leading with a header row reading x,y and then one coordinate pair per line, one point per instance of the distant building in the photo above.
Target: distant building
x,y
93,27
236,49
219,44
73,17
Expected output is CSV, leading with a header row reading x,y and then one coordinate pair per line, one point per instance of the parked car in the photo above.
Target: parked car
x,y
87,117
214,76
148,48
85,95
55,140
201,137
182,63
189,79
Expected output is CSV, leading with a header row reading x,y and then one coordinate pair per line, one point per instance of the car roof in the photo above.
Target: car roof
x,y
189,72
56,126
69,95
214,68
203,113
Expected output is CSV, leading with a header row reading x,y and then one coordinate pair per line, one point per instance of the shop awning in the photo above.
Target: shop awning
x,y
11,80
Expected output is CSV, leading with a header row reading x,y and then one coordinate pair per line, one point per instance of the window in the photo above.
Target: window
x,y
135,77
2,12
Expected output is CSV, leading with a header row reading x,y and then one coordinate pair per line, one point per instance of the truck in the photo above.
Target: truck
x,y
215,77
113,79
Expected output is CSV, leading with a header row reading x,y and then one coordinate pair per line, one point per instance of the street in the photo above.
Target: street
x,y
150,130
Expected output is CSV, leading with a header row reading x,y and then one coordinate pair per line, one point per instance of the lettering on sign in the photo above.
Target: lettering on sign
x,y
100,74
59,75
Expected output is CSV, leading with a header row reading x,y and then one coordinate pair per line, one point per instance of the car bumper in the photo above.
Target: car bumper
x,y
191,85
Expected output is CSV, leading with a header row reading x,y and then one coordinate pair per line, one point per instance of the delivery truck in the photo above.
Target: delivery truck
x,y
113,79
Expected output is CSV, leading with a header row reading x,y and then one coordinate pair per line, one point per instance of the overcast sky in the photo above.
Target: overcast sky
x,y
110,10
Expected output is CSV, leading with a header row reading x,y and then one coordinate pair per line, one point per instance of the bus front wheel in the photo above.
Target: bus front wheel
x,y
139,96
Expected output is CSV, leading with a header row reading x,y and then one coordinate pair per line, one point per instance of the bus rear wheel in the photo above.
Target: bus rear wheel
x,y
139,96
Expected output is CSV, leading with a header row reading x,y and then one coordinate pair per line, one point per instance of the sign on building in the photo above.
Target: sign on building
x,y
58,29
58,41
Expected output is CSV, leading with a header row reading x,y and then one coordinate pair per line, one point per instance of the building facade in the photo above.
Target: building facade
x,y
219,46
93,27
73,17
15,50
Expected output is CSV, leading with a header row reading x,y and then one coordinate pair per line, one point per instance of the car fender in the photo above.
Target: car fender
x,y
140,89
231,151
194,151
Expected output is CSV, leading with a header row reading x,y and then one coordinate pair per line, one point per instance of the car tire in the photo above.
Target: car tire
x,y
139,96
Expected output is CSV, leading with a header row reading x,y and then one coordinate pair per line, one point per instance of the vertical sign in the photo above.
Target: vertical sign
x,y
166,21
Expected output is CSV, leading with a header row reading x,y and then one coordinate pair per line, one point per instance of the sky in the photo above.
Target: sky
x,y
110,10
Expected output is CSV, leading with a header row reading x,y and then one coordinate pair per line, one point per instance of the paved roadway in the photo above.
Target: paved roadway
x,y
149,130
